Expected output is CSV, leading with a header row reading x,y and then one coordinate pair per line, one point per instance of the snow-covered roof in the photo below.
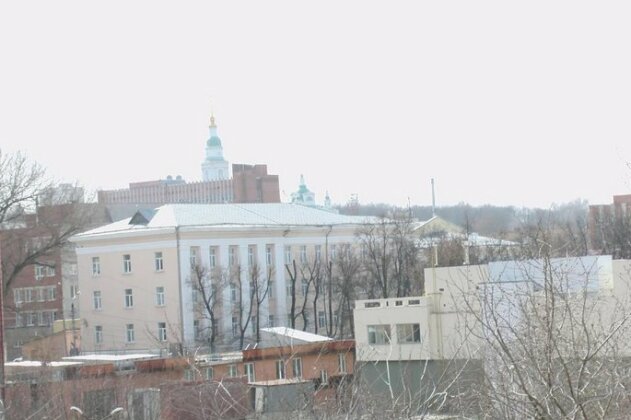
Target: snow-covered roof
x,y
257,214
37,363
276,382
292,334
473,239
109,357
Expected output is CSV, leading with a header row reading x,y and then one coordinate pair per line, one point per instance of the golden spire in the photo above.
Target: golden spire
x,y
212,120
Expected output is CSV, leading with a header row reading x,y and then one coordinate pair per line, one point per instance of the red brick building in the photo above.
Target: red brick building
x,y
249,184
609,225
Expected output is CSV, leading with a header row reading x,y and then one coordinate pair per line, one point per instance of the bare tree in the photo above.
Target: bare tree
x,y
259,287
553,339
29,231
208,286
391,256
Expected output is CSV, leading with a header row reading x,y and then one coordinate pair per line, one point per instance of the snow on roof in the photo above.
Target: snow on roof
x,y
473,239
274,382
109,357
296,334
37,363
255,214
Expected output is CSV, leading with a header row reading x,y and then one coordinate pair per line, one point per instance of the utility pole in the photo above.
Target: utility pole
x,y
2,353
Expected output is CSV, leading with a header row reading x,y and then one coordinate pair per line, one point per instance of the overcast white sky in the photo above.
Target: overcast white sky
x,y
502,102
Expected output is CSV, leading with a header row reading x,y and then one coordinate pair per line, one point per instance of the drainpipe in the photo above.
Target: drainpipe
x,y
179,283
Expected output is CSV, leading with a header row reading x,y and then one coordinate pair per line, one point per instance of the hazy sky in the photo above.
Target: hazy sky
x,y
502,102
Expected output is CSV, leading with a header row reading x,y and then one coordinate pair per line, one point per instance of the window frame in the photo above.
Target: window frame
x,y
296,362
158,261
127,264
160,301
129,298
97,300
280,369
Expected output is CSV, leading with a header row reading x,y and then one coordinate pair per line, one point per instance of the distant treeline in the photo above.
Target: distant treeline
x,y
485,220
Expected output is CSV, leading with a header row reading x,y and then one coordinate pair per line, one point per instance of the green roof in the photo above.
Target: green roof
x,y
214,141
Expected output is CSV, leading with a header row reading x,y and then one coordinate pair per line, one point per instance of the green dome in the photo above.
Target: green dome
x,y
214,141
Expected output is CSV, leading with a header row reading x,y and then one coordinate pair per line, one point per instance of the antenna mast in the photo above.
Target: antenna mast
x,y
433,200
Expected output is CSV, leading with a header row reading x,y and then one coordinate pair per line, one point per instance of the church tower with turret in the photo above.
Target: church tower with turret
x,y
214,167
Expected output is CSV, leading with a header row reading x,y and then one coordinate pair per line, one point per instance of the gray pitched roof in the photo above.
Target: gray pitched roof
x,y
273,214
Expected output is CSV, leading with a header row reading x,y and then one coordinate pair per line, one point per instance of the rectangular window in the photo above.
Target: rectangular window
x,y
235,326
289,319
159,262
98,334
321,319
270,289
233,259
297,367
31,319
39,272
341,362
379,334
249,371
287,255
318,253
73,291
251,255
96,266
18,296
28,295
193,257
162,331
129,298
212,261
233,293
209,373
196,329
96,300
129,333
126,263
270,321
280,369
333,252
233,372
324,377
303,254
160,296
289,289
408,333
269,255
253,324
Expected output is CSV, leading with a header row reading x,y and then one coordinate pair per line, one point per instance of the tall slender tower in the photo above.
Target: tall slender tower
x,y
214,167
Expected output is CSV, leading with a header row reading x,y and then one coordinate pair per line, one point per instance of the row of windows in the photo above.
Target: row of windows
x,y
158,264
34,294
406,334
30,319
280,367
97,298
233,255
233,259
42,271
130,333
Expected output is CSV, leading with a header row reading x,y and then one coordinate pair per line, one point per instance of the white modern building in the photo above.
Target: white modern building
x,y
135,275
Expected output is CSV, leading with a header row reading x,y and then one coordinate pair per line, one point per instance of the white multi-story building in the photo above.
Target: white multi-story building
x,y
135,275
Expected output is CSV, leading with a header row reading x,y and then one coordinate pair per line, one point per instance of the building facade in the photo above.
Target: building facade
x,y
152,282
